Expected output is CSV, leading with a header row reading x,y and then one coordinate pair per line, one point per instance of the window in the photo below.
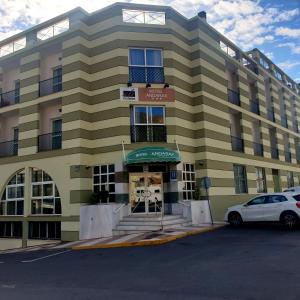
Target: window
x,y
240,179
144,17
297,197
276,180
146,65
148,124
10,229
45,199
276,199
290,179
57,79
104,181
45,230
12,201
261,183
189,180
257,201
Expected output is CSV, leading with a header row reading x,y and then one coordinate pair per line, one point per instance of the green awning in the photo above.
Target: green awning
x,y
152,155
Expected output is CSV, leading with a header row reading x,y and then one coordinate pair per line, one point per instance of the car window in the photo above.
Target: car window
x,y
256,201
276,199
296,197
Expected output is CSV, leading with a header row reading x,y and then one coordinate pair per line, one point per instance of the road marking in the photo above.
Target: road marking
x,y
44,257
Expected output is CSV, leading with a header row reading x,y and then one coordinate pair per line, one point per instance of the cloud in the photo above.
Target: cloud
x,y
288,64
295,48
288,32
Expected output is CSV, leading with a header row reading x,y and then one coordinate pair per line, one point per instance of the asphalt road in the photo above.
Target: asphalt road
x,y
254,262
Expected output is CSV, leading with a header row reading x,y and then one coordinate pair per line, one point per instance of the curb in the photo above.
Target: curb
x,y
145,242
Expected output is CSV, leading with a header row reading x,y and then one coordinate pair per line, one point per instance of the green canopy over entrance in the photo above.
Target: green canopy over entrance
x,y
152,155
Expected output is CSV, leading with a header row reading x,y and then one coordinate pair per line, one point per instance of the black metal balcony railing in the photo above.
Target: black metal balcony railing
x,y
50,86
9,148
274,153
237,144
10,98
284,122
295,127
271,114
49,141
258,149
234,97
254,106
146,74
148,133
288,156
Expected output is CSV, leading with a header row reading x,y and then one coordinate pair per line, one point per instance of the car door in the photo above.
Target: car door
x,y
273,207
254,209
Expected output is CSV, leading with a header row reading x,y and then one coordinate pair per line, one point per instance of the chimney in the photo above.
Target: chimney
x,y
202,15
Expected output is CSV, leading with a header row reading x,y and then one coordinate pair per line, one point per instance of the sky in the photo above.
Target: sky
x,y
273,26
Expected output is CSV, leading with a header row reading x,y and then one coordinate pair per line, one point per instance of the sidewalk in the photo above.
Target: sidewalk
x,y
139,239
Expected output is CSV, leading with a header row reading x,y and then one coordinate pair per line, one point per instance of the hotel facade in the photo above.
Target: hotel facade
x,y
139,105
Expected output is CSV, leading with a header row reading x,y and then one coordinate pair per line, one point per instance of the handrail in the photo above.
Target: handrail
x,y
184,204
119,208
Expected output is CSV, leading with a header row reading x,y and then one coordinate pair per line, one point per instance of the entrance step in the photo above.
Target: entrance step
x,y
146,223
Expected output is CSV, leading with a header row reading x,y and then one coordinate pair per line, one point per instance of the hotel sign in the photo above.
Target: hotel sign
x,y
157,94
152,155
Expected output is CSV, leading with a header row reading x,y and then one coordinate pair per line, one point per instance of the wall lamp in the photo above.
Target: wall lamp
x,y
148,85
166,85
129,84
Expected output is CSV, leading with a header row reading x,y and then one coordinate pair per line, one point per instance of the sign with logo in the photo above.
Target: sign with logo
x,y
129,94
152,155
173,175
157,94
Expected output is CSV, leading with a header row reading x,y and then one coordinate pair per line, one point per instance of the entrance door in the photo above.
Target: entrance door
x,y
146,192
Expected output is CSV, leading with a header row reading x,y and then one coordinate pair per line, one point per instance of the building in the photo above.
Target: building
x,y
133,97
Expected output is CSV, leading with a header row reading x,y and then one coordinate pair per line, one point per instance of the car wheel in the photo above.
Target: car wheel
x,y
235,219
289,220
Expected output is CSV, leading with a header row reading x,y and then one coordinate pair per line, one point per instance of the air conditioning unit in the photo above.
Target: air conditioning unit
x,y
129,94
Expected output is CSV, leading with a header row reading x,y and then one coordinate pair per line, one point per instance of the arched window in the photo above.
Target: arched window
x,y
12,200
45,199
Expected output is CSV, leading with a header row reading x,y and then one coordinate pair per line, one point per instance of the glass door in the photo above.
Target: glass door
x,y
56,134
145,193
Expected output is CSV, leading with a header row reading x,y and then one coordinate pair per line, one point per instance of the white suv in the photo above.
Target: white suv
x,y
281,207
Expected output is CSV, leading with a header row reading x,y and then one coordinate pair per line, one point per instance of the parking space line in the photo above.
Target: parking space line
x,y
44,257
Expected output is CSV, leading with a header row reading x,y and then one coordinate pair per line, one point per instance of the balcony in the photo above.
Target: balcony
x,y
258,149
288,156
295,126
148,133
237,144
9,148
49,141
50,86
234,97
10,98
146,74
274,153
254,106
271,114
284,122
